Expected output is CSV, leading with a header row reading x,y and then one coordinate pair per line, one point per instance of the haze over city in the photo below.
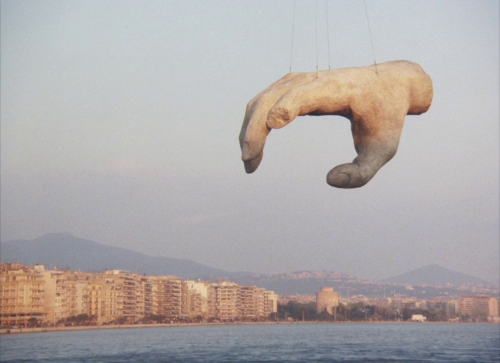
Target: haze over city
x,y
120,123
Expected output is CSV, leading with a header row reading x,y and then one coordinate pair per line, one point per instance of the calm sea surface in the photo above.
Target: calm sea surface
x,y
262,343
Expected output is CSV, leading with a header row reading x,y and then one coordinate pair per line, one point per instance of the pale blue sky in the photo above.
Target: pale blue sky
x,y
120,123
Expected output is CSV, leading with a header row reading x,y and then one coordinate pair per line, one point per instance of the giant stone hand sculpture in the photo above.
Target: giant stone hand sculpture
x,y
375,100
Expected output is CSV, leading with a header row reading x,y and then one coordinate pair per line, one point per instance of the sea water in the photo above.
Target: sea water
x,y
354,342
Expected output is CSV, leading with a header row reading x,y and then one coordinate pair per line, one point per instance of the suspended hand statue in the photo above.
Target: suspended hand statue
x,y
375,100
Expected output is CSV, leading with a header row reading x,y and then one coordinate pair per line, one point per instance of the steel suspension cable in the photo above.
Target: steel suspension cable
x,y
328,34
371,40
293,31
316,38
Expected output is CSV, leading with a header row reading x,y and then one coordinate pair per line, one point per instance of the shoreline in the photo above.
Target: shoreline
x,y
132,326
122,326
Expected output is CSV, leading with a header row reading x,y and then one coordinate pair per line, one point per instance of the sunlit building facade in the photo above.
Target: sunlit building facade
x,y
21,294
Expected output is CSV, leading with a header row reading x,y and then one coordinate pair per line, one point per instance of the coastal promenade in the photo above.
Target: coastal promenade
x,y
131,326
124,326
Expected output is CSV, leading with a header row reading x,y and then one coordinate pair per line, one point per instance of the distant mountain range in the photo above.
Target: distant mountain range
x,y
69,252
435,275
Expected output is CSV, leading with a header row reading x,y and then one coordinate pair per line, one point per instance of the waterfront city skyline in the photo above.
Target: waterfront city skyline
x,y
37,296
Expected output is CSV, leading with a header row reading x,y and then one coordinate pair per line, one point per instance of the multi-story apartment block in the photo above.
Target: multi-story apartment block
x,y
271,303
478,305
261,303
167,296
223,300
21,294
487,304
248,302
106,300
140,297
148,295
197,298
66,294
122,295
194,304
96,304
466,304
128,283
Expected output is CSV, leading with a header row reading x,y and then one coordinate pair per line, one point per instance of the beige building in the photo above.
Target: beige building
x,y
105,298
168,296
267,303
271,303
117,294
148,295
197,298
223,300
66,294
478,306
21,294
486,304
249,302
326,300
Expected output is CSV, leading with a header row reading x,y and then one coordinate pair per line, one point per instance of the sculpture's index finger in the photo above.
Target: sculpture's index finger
x,y
254,130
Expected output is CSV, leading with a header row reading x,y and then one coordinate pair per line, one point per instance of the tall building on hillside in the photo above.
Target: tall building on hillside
x,y
326,300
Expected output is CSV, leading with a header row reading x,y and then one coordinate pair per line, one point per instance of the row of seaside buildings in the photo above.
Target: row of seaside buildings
x,y
474,306
52,295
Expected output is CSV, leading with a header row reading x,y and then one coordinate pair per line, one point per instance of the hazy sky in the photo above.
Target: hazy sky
x,y
120,123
